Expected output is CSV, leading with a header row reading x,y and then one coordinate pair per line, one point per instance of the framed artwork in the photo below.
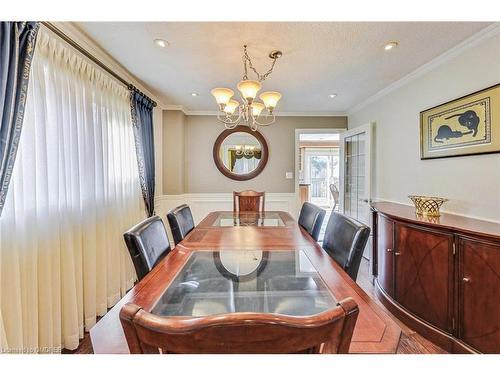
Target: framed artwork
x,y
468,125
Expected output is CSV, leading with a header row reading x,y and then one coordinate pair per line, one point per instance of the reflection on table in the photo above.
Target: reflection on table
x,y
216,282
254,219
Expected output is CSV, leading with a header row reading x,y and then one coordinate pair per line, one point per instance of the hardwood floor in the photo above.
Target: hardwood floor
x,y
410,343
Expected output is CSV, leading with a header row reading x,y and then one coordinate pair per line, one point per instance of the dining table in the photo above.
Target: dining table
x,y
254,262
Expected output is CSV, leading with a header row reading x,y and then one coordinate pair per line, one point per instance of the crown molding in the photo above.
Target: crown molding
x,y
174,107
486,33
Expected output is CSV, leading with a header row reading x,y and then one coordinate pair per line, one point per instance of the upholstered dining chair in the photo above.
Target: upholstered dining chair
x,y
181,222
330,331
248,200
311,218
345,239
147,244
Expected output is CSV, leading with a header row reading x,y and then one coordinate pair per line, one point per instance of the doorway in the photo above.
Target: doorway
x,y
318,169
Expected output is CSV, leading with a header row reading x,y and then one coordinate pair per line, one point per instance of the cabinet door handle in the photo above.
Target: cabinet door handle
x,y
397,253
389,250
466,279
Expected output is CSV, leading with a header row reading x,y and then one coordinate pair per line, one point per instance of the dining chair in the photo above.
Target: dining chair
x,y
335,194
345,239
248,200
240,333
311,219
181,222
147,243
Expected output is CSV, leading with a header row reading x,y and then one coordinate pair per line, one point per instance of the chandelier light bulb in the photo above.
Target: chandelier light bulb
x,y
249,89
270,99
222,96
231,106
257,108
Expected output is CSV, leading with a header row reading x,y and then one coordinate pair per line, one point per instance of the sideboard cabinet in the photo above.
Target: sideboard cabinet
x,y
440,276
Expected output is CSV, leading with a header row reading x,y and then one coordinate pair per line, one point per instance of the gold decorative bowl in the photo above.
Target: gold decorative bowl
x,y
427,206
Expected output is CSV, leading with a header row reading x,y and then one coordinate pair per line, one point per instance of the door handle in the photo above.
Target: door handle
x,y
389,250
397,253
466,279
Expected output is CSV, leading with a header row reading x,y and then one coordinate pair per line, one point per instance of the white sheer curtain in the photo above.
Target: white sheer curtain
x,y
74,191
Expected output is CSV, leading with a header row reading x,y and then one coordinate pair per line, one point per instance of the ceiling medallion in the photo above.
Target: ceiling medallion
x,y
232,113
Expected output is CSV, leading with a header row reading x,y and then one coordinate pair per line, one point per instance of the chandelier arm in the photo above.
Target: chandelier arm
x,y
265,124
227,120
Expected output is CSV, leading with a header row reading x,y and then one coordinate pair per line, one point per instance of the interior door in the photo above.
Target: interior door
x,y
355,176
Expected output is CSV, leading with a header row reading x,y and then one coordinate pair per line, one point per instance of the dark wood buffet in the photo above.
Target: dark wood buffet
x,y
440,276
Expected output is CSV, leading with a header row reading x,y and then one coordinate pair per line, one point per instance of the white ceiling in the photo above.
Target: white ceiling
x,y
319,58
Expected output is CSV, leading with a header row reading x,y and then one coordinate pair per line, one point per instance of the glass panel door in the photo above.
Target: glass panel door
x,y
355,175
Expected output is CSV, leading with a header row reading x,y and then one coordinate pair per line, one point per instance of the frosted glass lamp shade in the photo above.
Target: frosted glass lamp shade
x,y
231,107
270,99
257,108
249,89
222,96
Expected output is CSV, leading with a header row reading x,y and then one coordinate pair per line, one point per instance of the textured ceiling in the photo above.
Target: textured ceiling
x,y
319,58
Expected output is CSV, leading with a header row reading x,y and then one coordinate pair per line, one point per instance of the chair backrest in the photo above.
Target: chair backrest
x,y
181,222
248,200
147,244
335,194
311,218
345,240
240,332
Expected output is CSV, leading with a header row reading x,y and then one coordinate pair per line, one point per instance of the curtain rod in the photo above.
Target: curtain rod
x,y
94,59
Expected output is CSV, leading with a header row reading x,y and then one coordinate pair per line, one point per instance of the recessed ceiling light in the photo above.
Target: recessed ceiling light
x,y
161,43
390,45
332,95
194,94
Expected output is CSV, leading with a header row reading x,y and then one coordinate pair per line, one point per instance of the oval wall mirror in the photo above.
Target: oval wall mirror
x,y
240,153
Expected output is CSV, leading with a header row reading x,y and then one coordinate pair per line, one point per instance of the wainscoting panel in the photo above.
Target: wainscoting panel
x,y
202,204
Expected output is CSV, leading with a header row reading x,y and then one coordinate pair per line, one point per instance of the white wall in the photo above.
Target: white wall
x,y
472,183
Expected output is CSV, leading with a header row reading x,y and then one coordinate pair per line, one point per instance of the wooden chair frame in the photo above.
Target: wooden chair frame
x,y
240,333
247,199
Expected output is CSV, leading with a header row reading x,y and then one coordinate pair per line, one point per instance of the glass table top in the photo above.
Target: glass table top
x,y
253,219
218,282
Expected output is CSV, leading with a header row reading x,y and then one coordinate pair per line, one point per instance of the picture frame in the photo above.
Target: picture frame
x,y
469,125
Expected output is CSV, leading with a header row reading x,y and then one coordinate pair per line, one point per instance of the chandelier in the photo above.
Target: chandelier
x,y
232,113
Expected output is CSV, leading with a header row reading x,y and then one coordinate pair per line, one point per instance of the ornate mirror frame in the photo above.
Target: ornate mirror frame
x,y
220,164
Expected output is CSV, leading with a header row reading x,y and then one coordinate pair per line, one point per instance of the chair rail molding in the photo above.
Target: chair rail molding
x,y
203,203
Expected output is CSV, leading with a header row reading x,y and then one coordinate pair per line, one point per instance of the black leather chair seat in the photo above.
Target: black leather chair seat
x,y
147,244
181,222
345,240
311,218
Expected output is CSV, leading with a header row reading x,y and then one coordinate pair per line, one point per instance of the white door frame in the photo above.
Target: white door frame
x,y
368,130
296,149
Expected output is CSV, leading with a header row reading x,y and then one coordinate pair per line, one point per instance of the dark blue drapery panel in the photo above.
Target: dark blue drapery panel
x,y
17,44
142,120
